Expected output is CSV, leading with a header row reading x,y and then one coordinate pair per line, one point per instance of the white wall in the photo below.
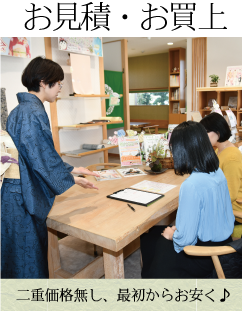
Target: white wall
x,y
11,72
112,57
221,53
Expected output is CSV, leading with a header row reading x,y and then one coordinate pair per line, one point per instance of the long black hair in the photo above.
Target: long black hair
x,y
41,69
192,150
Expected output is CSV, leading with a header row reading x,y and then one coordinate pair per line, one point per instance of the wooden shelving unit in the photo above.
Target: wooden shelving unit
x,y
80,126
79,155
54,106
221,95
177,60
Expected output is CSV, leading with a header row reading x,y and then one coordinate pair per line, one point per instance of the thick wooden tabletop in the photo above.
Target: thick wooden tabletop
x,y
89,215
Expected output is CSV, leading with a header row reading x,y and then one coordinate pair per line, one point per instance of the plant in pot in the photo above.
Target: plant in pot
x,y
155,156
214,80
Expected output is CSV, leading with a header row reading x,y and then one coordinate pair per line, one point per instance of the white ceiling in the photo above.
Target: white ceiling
x,y
145,46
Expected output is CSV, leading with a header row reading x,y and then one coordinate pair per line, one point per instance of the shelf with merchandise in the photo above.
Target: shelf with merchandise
x,y
176,84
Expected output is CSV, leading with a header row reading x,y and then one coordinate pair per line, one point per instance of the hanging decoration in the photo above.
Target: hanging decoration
x,y
114,99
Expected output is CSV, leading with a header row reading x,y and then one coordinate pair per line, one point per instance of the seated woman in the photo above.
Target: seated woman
x,y
204,217
230,158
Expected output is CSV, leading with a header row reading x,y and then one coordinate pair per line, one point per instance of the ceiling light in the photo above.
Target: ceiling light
x,y
170,43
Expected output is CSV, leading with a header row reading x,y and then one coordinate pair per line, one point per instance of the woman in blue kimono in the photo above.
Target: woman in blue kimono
x,y
27,201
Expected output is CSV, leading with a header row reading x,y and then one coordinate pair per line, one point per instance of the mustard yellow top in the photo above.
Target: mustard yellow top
x,y
230,162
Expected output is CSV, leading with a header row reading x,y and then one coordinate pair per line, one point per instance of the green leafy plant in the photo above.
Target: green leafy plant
x,y
214,78
156,154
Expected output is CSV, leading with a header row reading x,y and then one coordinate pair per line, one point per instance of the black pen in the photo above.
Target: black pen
x,y
131,207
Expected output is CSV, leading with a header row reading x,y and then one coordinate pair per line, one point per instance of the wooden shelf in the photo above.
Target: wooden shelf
x,y
219,89
87,96
174,100
221,95
77,126
88,152
174,73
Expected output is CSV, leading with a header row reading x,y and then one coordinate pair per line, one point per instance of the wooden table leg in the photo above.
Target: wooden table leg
x,y
113,264
53,253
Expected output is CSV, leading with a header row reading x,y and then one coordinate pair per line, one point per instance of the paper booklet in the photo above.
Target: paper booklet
x,y
131,172
107,175
129,150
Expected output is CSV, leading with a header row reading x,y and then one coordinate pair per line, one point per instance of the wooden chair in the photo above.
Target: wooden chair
x,y
214,252
156,127
96,167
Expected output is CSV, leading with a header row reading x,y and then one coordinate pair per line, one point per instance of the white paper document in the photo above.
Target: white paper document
x,y
81,74
153,186
132,195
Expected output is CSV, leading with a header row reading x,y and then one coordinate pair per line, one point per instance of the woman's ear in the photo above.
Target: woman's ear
x,y
42,84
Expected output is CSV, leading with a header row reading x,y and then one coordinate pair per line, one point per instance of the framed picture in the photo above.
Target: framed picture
x,y
233,76
16,46
81,45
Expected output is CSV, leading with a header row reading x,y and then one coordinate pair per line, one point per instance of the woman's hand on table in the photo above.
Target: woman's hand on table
x,y
84,183
168,233
84,171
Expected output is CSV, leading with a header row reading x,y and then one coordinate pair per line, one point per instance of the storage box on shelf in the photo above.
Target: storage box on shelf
x,y
176,85
221,95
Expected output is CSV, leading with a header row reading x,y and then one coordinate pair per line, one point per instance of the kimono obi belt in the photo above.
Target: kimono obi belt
x,y
9,167
13,170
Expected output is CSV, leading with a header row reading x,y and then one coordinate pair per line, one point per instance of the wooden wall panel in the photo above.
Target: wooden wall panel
x,y
199,68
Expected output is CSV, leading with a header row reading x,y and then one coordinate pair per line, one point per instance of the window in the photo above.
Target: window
x,y
149,98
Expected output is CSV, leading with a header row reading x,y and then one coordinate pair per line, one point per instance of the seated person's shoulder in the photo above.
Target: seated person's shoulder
x,y
234,154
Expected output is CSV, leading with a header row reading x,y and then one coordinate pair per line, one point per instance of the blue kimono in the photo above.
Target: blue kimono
x,y
27,201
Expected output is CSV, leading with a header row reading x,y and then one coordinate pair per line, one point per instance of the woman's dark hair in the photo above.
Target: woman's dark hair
x,y
192,150
43,69
214,122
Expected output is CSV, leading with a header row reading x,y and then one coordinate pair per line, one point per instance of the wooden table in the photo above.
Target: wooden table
x,y
89,215
135,125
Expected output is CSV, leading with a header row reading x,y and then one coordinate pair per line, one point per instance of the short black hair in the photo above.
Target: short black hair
x,y
192,150
214,122
43,69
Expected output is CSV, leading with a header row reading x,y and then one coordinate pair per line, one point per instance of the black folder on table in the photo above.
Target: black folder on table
x,y
135,196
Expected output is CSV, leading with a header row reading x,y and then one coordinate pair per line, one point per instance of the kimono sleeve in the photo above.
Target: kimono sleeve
x,y
37,149
68,167
187,219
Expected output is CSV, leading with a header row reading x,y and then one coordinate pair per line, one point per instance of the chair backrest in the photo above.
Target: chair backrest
x,y
230,256
96,167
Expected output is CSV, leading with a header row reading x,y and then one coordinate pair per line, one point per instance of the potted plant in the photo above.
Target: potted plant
x,y
155,156
214,80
